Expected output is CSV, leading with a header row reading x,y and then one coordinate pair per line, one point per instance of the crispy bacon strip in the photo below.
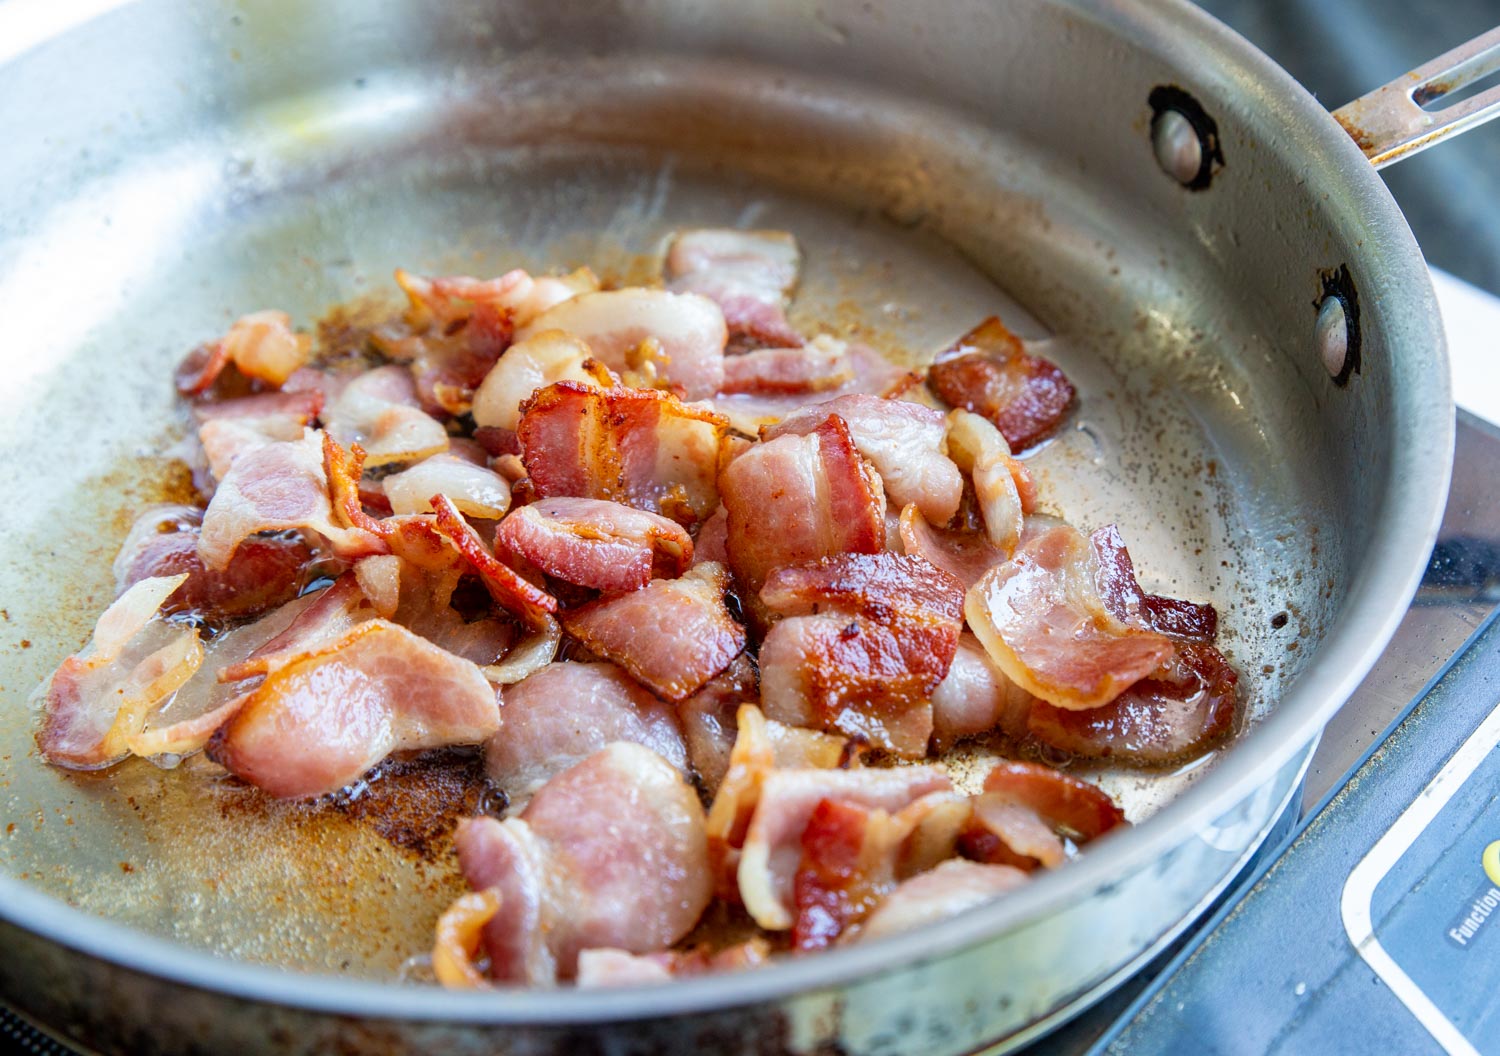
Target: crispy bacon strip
x,y
566,712
870,638
988,371
749,274
611,852
532,605
672,635
1180,710
687,331
321,719
800,498
595,543
1043,621
640,447
902,440
98,698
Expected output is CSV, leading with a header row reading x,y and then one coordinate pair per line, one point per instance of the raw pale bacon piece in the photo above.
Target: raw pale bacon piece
x,y
988,371
379,411
476,490
225,439
276,488
302,404
1185,620
902,440
951,888
1043,621
870,639
266,570
772,850
609,853
99,698
708,719
594,543
1001,484
748,274
975,697
672,635
873,374
637,446
523,599
965,554
687,330
818,366
322,718
541,360
797,499
262,345
568,711
1178,711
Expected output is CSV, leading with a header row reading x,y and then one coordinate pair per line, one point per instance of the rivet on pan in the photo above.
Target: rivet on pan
x,y
1336,333
1184,138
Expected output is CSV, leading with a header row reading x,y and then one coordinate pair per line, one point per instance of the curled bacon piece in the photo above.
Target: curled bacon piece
x,y
379,411
475,490
1178,711
965,554
459,937
594,543
440,303
975,697
870,638
322,718
99,698
988,371
672,635
262,345
610,853
1184,620
709,721
640,447
1044,622
748,274
528,602
687,330
902,440
542,359
946,891
800,498
821,364
568,711
1002,485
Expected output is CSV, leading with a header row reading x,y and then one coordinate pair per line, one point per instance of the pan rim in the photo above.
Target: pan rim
x,y
1417,483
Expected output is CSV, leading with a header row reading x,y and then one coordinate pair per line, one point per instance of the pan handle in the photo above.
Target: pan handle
x,y
1390,123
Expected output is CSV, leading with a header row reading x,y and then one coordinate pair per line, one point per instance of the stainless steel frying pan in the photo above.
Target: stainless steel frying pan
x,y
1265,411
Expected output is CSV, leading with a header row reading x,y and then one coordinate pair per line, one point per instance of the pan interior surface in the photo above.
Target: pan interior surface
x,y
1199,430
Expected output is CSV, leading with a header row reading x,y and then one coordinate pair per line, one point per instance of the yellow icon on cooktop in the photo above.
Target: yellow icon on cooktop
x,y
1491,860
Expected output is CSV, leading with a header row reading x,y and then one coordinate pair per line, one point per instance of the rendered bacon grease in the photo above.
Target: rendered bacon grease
x,y
712,594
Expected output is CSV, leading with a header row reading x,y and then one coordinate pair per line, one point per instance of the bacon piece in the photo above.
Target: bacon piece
x,y
1002,485
688,329
873,374
818,366
262,345
475,490
265,571
302,404
542,359
1184,620
322,718
609,967
772,851
975,697
611,852
379,411
594,543
99,697
231,427
276,488
953,887
870,639
568,711
528,602
672,635
708,719
903,441
530,655
964,554
318,620
712,543
1064,802
799,498
748,274
1180,710
637,446
988,371
1043,621
459,937
200,368
441,302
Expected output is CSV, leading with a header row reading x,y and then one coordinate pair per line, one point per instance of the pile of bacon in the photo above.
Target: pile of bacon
x,y
651,548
